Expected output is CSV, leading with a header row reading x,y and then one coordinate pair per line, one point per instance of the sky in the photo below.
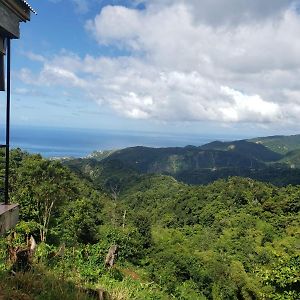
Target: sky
x,y
188,66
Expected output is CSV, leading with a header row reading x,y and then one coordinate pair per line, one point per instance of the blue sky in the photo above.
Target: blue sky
x,y
204,67
59,26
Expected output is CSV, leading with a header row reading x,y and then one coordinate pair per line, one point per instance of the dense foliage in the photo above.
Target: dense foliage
x,y
279,143
233,239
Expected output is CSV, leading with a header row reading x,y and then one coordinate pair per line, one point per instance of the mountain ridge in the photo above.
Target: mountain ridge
x,y
194,164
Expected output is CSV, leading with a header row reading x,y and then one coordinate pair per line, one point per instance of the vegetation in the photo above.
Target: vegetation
x,y
192,165
279,143
292,159
100,155
255,150
232,239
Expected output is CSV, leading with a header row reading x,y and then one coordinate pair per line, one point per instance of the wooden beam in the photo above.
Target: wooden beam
x,y
9,22
18,8
2,48
2,73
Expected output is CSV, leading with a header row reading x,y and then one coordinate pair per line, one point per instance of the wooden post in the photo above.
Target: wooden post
x,y
7,122
2,72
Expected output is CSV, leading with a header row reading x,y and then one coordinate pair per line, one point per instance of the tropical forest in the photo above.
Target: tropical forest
x,y
149,150
141,223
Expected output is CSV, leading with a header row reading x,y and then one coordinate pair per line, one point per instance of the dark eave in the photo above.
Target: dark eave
x,y
19,7
29,6
12,12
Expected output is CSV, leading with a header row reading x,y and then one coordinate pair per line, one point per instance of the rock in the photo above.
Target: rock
x,y
111,256
99,294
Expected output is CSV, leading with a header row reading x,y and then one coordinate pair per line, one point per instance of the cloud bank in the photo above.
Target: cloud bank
x,y
198,60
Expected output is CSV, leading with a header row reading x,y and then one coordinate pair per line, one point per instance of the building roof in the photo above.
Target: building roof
x,y
12,12
29,6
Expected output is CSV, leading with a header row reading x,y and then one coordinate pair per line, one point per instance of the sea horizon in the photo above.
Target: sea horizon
x,y
76,142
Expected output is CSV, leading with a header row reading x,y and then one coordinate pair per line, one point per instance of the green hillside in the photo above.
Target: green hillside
x,y
110,174
193,165
279,144
292,159
175,160
198,165
115,174
235,239
100,155
253,150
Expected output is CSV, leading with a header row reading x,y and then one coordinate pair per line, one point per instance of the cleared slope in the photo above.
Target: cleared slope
x,y
280,144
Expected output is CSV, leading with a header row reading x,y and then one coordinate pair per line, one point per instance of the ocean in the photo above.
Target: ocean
x,y
66,142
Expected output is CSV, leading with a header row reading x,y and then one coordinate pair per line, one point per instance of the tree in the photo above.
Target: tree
x,y
40,187
79,221
143,224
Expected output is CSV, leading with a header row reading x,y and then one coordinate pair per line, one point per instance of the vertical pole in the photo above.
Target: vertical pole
x,y
7,122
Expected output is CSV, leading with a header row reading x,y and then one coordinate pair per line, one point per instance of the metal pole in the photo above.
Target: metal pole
x,y
7,122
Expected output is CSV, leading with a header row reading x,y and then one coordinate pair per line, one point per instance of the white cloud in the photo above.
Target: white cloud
x,y
128,21
170,37
35,57
248,107
52,75
229,12
190,61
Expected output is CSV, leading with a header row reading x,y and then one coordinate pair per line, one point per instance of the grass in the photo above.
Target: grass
x,y
42,283
38,284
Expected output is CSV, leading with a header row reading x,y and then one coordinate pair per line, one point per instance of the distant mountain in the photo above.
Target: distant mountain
x,y
196,165
252,150
174,160
279,144
100,155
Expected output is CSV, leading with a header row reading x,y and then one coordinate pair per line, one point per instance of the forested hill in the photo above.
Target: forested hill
x,y
197,165
252,150
279,143
235,239
174,160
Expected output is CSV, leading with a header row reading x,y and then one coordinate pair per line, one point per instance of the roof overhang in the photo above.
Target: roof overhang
x,y
12,12
20,8
29,6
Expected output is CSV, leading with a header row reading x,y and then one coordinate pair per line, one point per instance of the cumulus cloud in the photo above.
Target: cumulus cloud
x,y
190,61
52,75
248,107
229,12
170,37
